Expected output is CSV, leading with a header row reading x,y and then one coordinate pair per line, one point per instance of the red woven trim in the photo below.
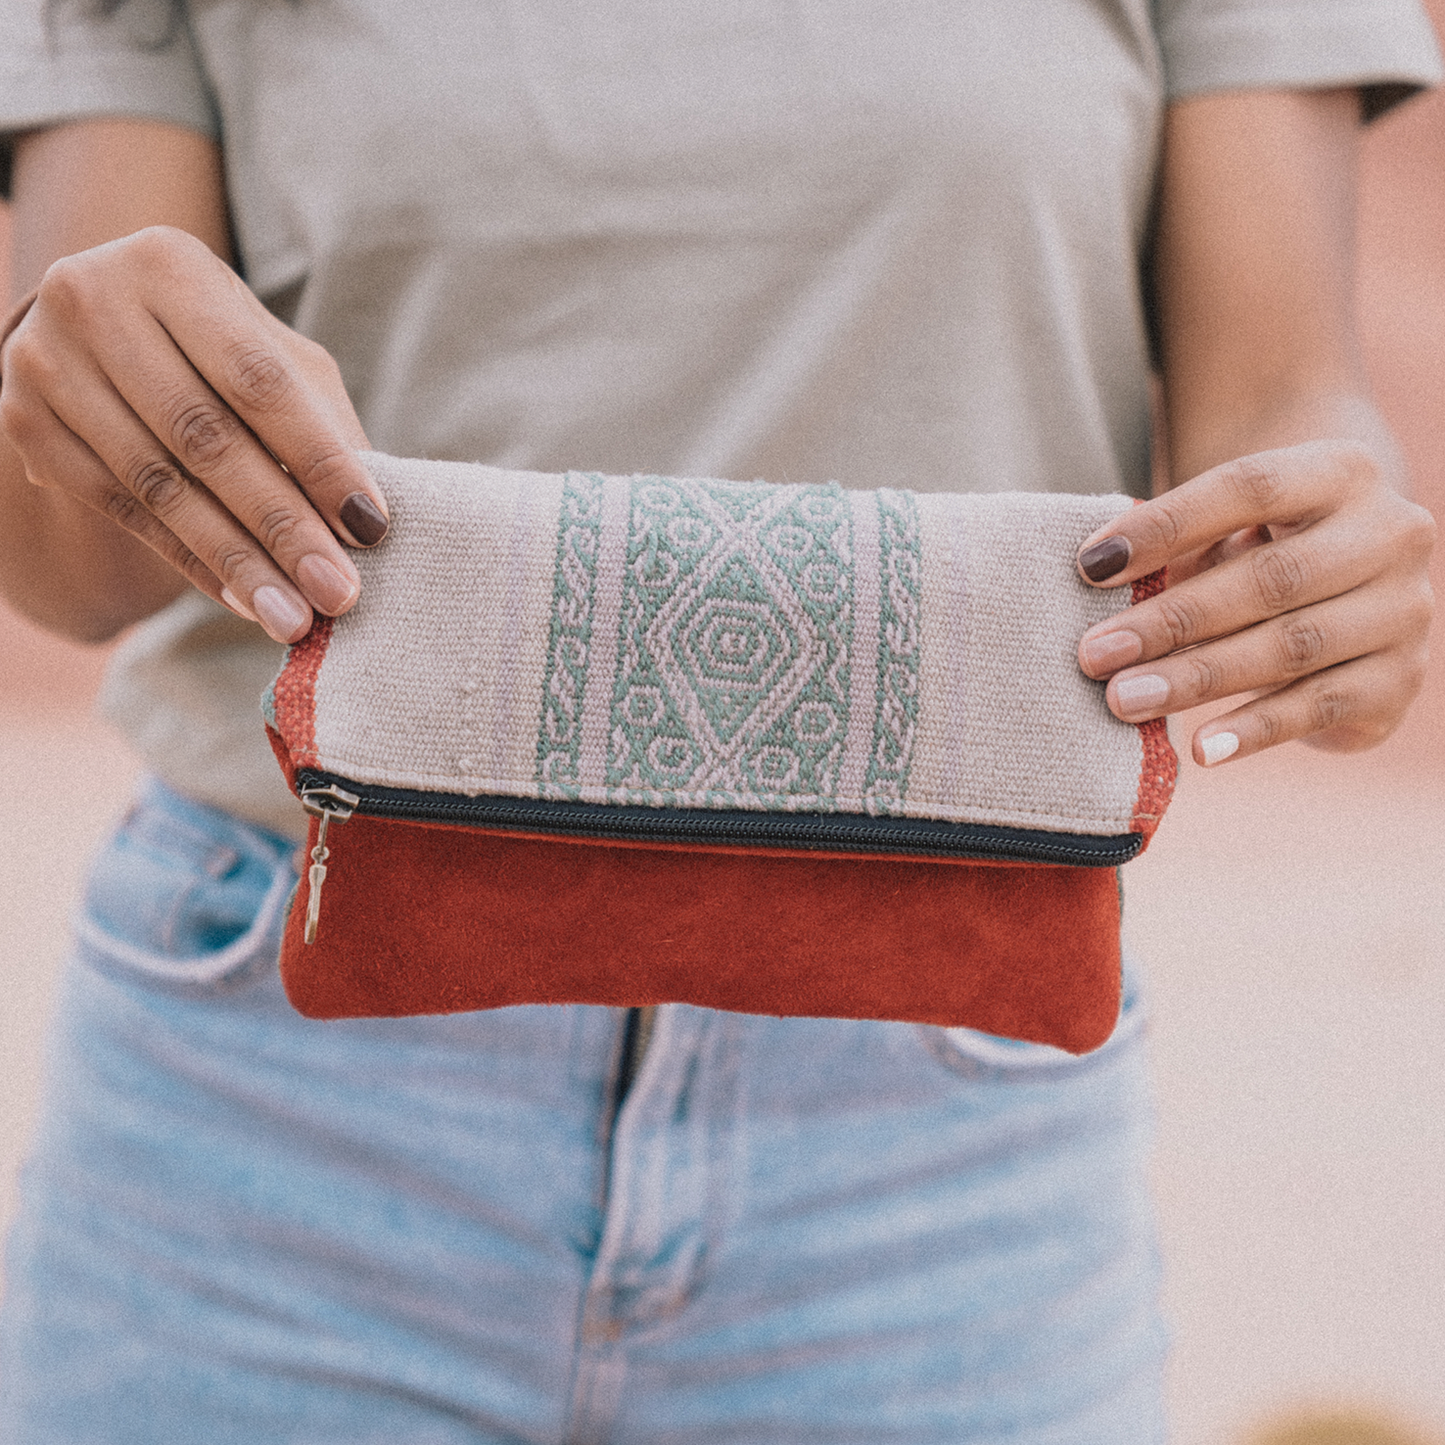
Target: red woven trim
x,y
1160,768
1156,777
295,694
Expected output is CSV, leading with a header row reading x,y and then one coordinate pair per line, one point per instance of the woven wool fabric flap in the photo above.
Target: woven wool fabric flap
x,y
714,644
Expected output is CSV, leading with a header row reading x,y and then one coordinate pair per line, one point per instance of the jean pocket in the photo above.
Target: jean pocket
x,y
978,1055
189,901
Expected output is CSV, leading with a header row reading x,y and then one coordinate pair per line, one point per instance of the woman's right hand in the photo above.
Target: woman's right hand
x,y
148,382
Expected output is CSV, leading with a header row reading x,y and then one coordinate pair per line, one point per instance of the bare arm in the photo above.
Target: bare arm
x,y
61,562
1297,567
148,397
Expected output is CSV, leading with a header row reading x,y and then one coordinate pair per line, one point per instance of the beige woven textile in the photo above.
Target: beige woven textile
x,y
698,643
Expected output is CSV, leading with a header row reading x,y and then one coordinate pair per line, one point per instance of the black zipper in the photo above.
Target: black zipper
x,y
840,832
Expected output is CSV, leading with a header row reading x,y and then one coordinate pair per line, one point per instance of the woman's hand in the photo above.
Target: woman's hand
x,y
149,383
1297,574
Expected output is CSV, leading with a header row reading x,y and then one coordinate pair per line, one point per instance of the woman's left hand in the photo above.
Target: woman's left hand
x,y
1298,575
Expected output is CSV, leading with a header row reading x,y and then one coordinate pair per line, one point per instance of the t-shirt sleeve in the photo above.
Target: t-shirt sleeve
x,y
81,59
1386,47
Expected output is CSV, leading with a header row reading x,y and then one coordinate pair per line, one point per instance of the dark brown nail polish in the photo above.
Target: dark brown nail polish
x,y
1101,561
362,518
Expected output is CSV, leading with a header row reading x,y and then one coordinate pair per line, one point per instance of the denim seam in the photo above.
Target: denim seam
x,y
956,1056
201,968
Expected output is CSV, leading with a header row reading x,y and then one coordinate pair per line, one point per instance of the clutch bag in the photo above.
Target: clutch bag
x,y
788,749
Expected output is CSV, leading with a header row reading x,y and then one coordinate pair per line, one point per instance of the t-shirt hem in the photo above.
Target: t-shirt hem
x,y
95,87
1280,50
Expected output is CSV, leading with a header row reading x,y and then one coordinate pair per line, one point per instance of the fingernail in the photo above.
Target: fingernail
x,y
328,587
283,616
234,603
1146,693
1104,559
363,519
1111,651
1218,746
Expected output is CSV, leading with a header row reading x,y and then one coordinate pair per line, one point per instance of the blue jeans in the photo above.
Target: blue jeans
x,y
243,1226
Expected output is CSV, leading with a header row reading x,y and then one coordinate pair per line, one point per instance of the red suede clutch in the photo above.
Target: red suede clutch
x,y
786,750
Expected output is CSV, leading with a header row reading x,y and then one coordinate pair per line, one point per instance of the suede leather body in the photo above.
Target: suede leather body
x,y
421,919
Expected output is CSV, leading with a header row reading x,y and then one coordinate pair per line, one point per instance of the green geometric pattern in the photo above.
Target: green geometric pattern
x,y
735,671
559,743
734,646
901,609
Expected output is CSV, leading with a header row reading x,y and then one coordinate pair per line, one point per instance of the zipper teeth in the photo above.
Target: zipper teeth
x,y
740,828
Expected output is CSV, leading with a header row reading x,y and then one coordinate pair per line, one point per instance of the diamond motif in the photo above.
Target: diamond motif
x,y
731,653
734,610
732,643
726,647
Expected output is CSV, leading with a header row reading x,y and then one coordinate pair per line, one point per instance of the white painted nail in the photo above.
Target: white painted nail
x,y
324,583
1112,651
1218,746
285,617
236,606
1144,692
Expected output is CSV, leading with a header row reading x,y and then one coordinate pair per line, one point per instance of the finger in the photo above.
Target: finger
x,y
176,408
283,386
1289,487
1262,582
1237,544
1348,708
143,489
1272,654
58,459
207,312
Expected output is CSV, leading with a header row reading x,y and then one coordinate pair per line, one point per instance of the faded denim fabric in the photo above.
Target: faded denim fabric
x,y
243,1226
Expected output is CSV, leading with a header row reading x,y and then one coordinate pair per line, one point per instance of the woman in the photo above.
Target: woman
x,y
794,242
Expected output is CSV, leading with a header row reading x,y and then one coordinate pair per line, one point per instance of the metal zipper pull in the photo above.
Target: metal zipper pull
x,y
328,803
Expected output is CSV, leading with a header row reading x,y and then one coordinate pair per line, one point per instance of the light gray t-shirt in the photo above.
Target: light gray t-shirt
x,y
888,245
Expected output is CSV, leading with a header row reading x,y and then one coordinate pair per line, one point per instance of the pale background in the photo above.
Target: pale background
x,y
1292,913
